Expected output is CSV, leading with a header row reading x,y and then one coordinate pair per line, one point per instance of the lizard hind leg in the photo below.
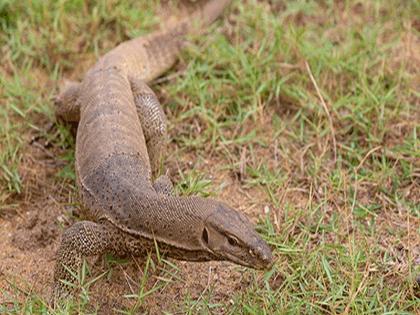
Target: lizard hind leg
x,y
66,102
153,121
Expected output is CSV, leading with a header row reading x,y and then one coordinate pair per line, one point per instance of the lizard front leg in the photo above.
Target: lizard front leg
x,y
83,239
163,185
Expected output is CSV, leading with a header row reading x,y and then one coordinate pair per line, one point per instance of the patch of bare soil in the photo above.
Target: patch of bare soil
x,y
29,234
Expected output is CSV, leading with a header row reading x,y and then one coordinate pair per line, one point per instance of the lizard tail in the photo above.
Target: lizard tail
x,y
213,9
202,16
150,56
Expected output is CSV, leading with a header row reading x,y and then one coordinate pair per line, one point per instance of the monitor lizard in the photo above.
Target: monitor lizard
x,y
120,142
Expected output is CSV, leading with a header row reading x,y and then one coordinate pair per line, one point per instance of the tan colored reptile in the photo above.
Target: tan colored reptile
x,y
121,126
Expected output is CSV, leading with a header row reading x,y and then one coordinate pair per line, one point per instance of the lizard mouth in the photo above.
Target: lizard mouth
x,y
258,263
228,257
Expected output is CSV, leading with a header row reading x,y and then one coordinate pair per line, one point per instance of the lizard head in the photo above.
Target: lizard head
x,y
229,235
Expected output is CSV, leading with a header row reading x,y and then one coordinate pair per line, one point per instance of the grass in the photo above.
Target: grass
x,y
309,110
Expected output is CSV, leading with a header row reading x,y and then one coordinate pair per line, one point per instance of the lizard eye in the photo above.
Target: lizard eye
x,y
205,236
232,241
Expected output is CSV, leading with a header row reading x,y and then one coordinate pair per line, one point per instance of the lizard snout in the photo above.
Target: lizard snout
x,y
265,256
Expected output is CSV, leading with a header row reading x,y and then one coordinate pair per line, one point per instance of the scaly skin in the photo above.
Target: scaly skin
x,y
122,125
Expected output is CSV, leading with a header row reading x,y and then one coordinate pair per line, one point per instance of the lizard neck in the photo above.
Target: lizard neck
x,y
177,222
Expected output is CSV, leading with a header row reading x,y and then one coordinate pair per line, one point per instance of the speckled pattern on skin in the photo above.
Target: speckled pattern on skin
x,y
120,143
